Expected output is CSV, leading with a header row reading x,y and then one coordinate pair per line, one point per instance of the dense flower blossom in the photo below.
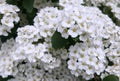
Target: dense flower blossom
x,y
9,17
30,56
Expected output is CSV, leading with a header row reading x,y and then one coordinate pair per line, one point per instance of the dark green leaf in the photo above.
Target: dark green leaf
x,y
30,16
5,79
1,16
28,5
58,41
55,0
91,79
111,78
14,2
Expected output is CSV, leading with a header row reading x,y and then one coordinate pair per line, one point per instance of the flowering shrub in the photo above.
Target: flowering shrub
x,y
59,40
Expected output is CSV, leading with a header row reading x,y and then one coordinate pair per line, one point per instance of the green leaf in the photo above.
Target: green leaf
x,y
30,16
55,0
1,16
28,5
14,2
111,78
5,79
57,41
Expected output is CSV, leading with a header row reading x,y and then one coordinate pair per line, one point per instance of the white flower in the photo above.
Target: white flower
x,y
76,72
6,64
44,32
67,23
29,48
63,31
72,65
15,17
28,33
90,70
2,2
63,53
74,31
42,4
4,30
40,51
69,2
8,21
7,9
19,53
47,58
82,66
47,21
84,36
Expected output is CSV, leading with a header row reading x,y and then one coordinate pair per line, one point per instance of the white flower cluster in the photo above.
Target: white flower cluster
x,y
35,72
31,57
78,21
86,60
39,4
9,16
115,6
6,60
113,54
66,3
27,34
47,21
12,51
93,28
96,2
